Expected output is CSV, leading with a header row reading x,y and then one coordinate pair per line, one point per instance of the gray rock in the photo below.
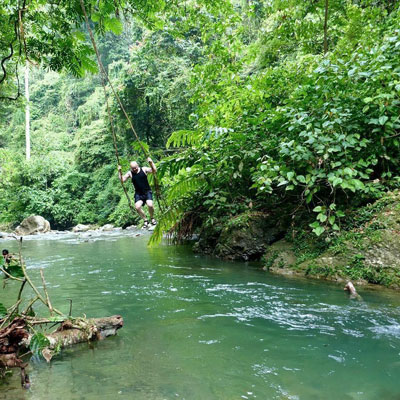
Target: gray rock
x,y
81,228
33,224
107,227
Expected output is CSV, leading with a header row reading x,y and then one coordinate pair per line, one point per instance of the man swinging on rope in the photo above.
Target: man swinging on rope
x,y
143,194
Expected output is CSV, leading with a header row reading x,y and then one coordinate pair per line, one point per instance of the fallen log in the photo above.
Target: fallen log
x,y
73,331
15,338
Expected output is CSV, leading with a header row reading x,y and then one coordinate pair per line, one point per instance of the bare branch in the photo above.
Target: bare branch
x,y
46,293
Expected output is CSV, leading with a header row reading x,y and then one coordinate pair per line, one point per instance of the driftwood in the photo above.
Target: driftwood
x,y
352,291
73,331
19,333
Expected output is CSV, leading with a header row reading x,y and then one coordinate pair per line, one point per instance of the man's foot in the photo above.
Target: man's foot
x,y
153,221
146,224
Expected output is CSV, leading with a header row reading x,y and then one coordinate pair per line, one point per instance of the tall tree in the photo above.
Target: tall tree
x,y
27,115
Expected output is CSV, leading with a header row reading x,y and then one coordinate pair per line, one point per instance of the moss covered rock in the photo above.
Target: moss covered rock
x,y
280,255
367,253
244,237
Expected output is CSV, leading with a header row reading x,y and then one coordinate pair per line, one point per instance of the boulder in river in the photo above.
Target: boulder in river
x,y
107,227
81,228
33,224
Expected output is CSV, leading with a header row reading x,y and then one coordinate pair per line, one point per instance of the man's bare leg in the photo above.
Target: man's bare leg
x,y
150,205
138,206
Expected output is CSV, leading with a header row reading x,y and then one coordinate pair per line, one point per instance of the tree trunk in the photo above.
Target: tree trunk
x,y
27,115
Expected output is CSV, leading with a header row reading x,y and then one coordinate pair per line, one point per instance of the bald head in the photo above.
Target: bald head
x,y
134,166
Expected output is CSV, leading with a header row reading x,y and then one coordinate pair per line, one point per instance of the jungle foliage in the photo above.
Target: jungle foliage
x,y
242,104
280,122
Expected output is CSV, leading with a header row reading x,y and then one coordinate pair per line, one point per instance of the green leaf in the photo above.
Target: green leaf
x,y
15,269
38,343
56,318
183,137
317,209
348,171
290,175
138,146
301,178
79,36
337,181
114,25
383,119
282,183
319,231
95,17
358,184
322,217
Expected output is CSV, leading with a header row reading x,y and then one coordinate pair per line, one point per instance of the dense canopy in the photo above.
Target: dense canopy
x,y
242,104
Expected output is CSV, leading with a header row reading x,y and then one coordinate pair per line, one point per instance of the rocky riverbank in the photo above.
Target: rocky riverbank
x,y
245,237
367,249
37,225
367,253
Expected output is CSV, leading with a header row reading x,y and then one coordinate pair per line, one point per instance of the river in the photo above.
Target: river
x,y
200,328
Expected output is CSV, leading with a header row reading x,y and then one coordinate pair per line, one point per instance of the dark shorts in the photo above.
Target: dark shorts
x,y
147,196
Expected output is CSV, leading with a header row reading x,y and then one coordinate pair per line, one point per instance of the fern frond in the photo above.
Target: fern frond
x,y
173,164
184,137
167,221
184,187
114,25
139,146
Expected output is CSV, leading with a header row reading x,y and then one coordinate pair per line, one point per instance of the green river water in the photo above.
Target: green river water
x,y
200,328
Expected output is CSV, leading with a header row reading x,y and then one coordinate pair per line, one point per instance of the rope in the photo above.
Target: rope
x,y
104,77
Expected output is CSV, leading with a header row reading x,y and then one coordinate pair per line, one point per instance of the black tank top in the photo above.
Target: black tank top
x,y
140,182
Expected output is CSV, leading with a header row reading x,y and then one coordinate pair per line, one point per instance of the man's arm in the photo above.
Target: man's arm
x,y
125,177
151,170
